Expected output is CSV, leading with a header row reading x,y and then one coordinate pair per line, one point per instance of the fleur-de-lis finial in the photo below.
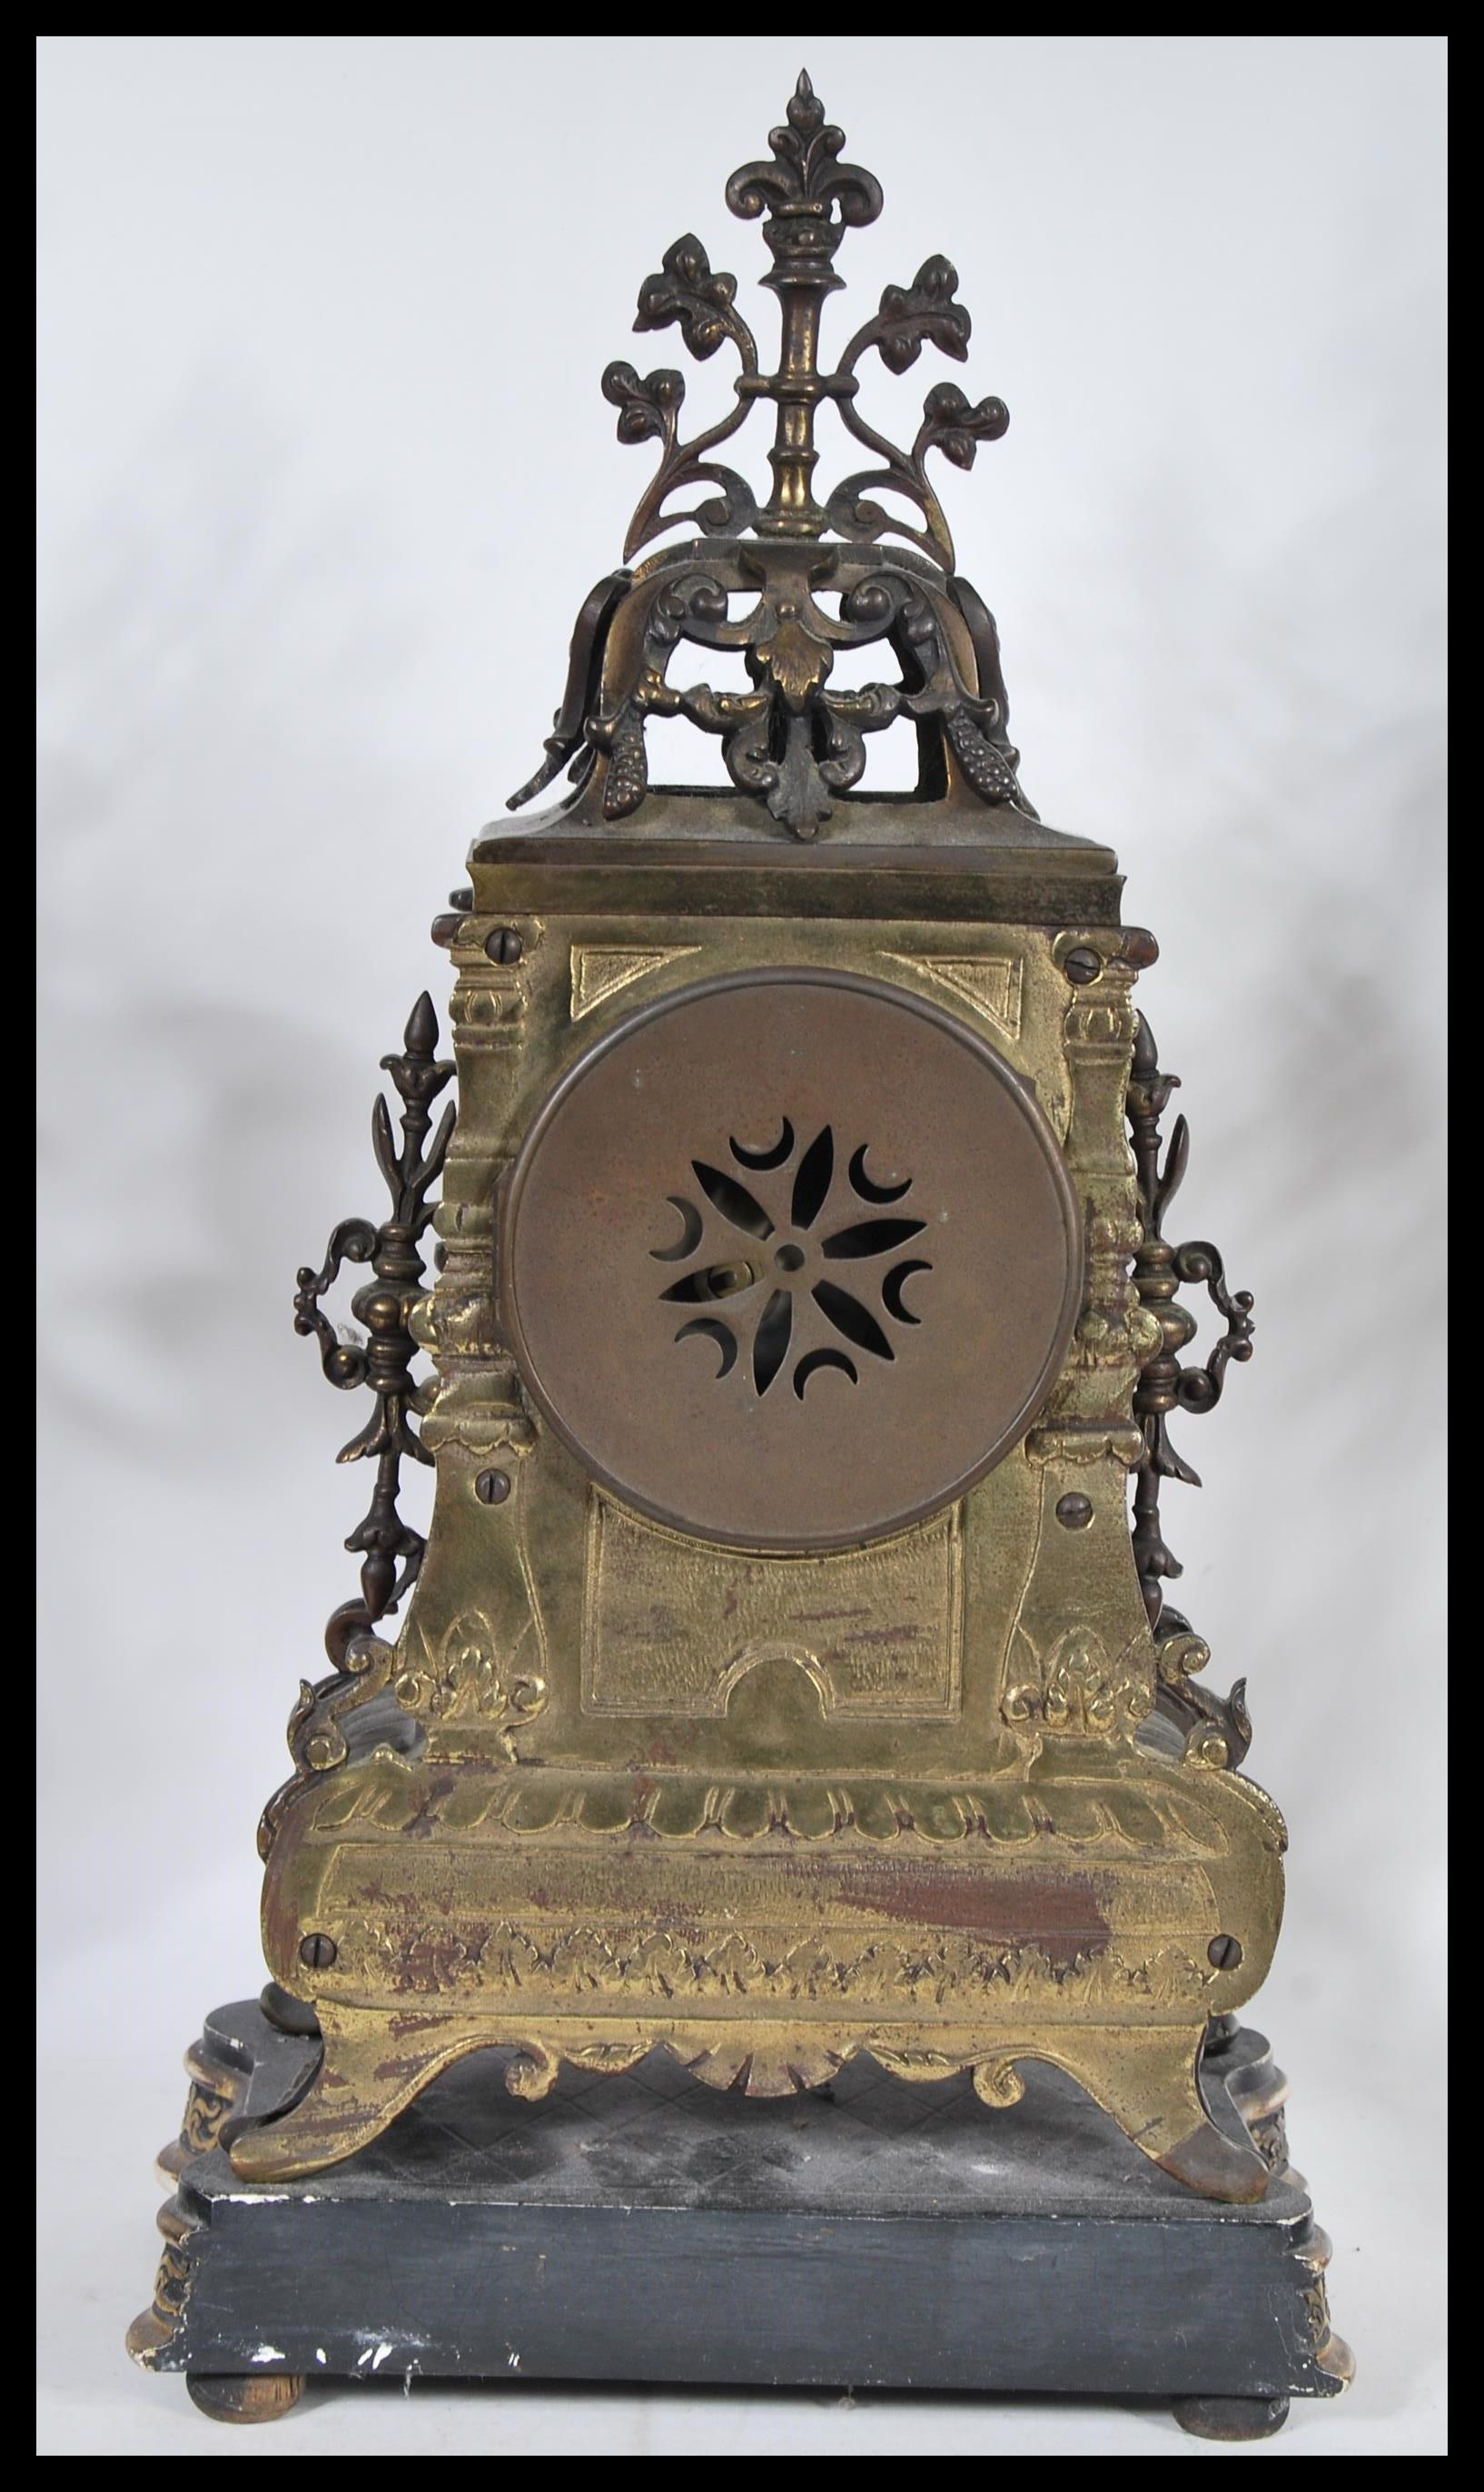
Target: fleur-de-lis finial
x,y
808,196
792,739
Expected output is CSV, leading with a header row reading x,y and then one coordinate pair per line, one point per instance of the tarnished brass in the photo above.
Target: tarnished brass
x,y
778,1681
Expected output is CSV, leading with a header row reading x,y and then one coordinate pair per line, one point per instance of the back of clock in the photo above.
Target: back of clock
x,y
782,1680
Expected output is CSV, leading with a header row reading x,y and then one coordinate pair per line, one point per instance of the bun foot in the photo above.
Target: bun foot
x,y
249,2398
1231,2417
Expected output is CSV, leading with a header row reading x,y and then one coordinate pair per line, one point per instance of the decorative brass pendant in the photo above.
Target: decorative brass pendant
x,y
780,1680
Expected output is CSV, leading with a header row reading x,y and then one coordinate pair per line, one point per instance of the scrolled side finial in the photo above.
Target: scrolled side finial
x,y
1219,1729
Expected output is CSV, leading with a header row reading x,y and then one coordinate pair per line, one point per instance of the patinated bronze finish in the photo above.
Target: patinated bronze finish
x,y
782,1680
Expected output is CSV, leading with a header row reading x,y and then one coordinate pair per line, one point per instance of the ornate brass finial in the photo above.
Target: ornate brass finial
x,y
809,197
390,1550
799,187
790,741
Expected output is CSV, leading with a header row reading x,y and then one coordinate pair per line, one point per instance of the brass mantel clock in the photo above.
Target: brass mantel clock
x,y
785,1688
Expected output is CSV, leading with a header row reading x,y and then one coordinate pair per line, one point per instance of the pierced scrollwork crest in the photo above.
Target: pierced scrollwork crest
x,y
791,740
1219,1732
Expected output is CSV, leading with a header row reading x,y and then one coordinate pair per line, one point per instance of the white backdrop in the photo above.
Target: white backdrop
x,y
324,475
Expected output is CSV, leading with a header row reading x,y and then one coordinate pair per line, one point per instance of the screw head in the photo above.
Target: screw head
x,y
1074,1511
504,945
317,1952
1082,964
493,1488
1225,1953
462,898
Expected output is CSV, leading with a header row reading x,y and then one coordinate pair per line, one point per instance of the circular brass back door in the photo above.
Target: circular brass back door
x,y
790,1259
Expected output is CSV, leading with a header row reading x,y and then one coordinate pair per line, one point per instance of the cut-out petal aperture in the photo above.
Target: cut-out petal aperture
x,y
715,1281
872,1237
732,1201
811,1184
762,1347
849,1317
770,1347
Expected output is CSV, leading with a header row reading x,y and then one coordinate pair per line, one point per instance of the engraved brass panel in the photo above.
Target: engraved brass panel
x,y
673,1627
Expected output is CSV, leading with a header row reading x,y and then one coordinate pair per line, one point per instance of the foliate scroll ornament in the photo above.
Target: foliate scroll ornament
x,y
216,2090
173,2282
1219,1731
209,2106
658,1966
1075,1686
999,2083
1270,2137
793,740
317,1739
1316,2318
1330,2352
1218,1728
686,291
469,1679
566,741
789,740
925,313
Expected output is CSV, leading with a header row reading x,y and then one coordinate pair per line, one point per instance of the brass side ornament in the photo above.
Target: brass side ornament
x,y
787,1678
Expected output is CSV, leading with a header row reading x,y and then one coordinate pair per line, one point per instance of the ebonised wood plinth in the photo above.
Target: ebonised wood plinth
x,y
644,2227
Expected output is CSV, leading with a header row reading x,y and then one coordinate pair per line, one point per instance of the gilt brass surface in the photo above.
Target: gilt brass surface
x,y
790,1259
779,1682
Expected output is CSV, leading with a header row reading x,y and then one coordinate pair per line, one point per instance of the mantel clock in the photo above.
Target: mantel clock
x,y
787,1685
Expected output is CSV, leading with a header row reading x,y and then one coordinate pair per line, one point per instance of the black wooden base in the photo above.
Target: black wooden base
x,y
643,2227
